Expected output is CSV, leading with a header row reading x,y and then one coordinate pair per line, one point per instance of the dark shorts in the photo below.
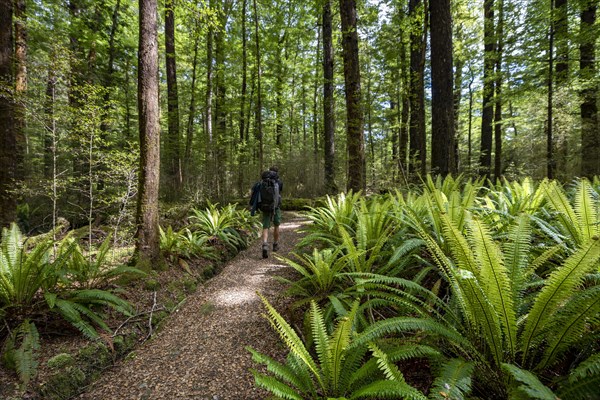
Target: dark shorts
x,y
267,217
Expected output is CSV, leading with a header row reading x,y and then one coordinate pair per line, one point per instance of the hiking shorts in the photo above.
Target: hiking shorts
x,y
274,216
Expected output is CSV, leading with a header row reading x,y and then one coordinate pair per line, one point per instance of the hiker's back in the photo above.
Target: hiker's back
x,y
269,192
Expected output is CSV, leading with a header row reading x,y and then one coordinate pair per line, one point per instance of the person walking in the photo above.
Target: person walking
x,y
266,196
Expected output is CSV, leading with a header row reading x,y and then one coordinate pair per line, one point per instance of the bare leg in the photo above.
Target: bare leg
x,y
276,234
265,234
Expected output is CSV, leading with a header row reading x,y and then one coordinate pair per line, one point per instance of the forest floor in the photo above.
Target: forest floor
x,y
200,352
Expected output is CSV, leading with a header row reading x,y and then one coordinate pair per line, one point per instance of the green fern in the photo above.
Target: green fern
x,y
453,381
583,381
21,350
528,384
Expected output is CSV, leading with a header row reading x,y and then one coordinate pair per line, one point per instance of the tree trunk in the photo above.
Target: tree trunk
x,y
442,105
315,118
20,85
487,115
147,245
50,124
244,74
279,67
172,148
498,126
354,113
189,140
258,117
550,162
328,100
590,129
418,146
8,138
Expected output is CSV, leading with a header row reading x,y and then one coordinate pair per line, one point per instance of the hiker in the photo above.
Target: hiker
x,y
266,197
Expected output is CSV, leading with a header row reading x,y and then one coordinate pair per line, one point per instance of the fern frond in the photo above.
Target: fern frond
x,y
291,339
556,197
495,281
388,390
278,388
321,340
338,345
559,287
389,369
570,324
453,380
279,370
586,210
516,254
25,355
530,384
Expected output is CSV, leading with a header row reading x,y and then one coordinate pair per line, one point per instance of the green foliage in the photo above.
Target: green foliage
x,y
20,351
341,368
224,225
36,282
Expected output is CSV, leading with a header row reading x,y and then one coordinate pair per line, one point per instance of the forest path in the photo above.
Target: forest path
x,y
200,353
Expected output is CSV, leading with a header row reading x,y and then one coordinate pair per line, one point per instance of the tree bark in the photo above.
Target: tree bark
x,y
244,74
417,144
189,140
328,100
258,111
147,245
487,116
8,138
550,162
354,114
20,85
590,129
173,143
442,107
498,125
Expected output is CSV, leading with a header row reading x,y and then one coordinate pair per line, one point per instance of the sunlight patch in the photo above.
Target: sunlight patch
x,y
234,297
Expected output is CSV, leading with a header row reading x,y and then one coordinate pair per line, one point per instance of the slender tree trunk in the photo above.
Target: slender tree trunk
x,y
209,88
498,124
405,99
189,140
147,246
418,146
8,138
50,124
108,76
128,113
316,120
561,77
487,116
173,142
20,85
550,162
328,100
354,113
244,74
279,72
442,107
470,127
258,117
590,128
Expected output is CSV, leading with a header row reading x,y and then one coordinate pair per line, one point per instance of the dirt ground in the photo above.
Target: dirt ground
x,y
200,353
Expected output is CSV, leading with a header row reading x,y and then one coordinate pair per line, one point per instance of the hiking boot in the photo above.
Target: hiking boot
x,y
275,246
265,250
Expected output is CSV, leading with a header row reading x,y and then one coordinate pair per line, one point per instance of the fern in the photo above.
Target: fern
x,y
385,389
529,383
21,351
453,381
559,286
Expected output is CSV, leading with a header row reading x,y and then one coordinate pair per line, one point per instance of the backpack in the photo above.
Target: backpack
x,y
269,193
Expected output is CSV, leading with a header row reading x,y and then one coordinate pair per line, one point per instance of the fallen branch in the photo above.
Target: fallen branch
x,y
150,319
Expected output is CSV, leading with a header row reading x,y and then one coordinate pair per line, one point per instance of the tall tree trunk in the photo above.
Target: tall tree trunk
x,y
561,77
487,115
172,148
590,129
20,85
209,88
354,114
498,125
189,140
8,138
328,100
550,162
244,74
405,99
442,102
470,127
258,117
49,124
315,117
417,143
147,245
279,72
